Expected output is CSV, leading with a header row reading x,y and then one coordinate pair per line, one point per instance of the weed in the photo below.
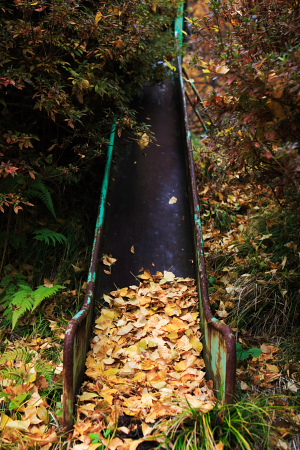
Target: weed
x,y
243,353
245,425
267,289
22,298
49,237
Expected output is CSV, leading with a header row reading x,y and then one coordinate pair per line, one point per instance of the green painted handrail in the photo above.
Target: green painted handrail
x,y
79,328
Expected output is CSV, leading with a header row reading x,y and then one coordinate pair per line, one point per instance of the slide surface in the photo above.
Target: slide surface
x,y
147,223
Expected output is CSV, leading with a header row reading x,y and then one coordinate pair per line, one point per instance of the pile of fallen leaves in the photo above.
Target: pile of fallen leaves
x,y
27,375
144,363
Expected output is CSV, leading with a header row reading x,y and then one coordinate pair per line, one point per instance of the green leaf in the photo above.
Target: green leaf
x,y
243,354
43,292
49,236
255,352
26,299
16,403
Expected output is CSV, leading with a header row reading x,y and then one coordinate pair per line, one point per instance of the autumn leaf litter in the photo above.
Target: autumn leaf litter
x,y
144,362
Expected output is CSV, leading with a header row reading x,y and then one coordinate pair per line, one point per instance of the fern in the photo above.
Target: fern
x,y
17,354
30,358
39,190
45,369
49,236
8,282
26,299
43,292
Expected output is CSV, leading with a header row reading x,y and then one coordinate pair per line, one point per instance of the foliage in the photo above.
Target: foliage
x,y
243,426
66,69
49,236
243,353
30,360
21,298
253,66
28,378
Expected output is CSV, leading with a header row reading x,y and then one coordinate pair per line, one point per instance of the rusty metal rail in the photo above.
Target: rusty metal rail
x,y
219,347
79,328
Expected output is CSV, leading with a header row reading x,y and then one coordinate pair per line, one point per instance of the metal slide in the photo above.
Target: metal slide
x,y
143,230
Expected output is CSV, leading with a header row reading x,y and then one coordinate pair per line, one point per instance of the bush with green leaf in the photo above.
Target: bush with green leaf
x,y
66,69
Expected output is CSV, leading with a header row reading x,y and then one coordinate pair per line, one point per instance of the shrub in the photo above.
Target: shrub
x,y
66,69
254,48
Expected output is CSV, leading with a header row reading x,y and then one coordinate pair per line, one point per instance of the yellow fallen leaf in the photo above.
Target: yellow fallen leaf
x,y
87,407
147,399
168,277
292,387
146,275
140,376
108,361
245,387
146,429
272,368
172,310
148,365
21,425
111,372
196,344
222,69
284,261
42,413
181,366
219,446
108,260
4,420
143,141
125,330
87,396
123,292
176,325
82,446
107,299
158,385
173,200
184,343
98,17
173,336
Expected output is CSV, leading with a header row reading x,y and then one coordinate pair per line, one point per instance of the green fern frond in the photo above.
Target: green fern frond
x,y
26,299
49,236
17,354
43,292
13,373
39,190
44,369
21,302
9,281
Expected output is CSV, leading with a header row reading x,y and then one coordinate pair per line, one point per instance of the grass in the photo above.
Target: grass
x,y
267,288
245,425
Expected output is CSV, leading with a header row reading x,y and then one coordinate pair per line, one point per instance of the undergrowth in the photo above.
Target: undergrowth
x,y
246,425
252,255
